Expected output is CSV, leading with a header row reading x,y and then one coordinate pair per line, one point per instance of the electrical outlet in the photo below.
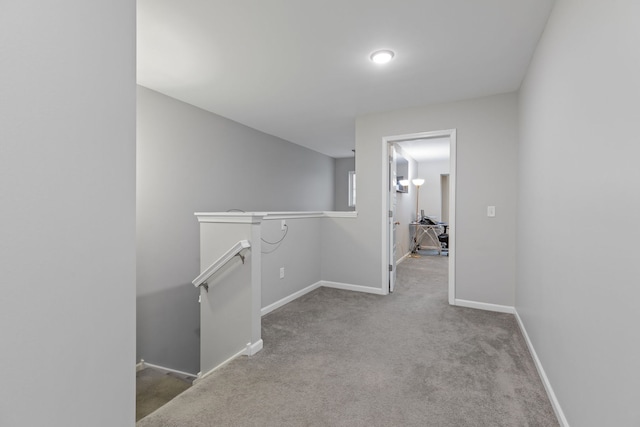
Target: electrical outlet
x,y
283,225
282,272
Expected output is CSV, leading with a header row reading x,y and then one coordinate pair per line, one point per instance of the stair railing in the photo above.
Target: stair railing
x,y
235,250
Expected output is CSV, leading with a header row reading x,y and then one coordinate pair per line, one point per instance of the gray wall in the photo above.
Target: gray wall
x,y
579,175
486,162
227,305
343,166
67,191
298,253
431,192
192,160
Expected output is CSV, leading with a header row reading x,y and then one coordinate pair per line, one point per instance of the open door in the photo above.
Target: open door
x,y
388,218
392,217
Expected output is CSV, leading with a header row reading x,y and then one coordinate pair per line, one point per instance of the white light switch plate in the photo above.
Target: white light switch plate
x,y
491,211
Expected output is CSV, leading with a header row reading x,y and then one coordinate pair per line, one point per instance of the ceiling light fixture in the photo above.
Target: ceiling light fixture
x,y
382,56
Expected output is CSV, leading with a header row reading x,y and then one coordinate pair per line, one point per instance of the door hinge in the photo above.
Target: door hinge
x,y
390,267
390,214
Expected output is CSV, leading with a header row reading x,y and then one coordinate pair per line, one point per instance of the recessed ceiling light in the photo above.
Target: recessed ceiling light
x,y
382,56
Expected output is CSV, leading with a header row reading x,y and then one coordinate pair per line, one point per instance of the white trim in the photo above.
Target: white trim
x,y
484,306
384,247
252,349
452,135
140,366
257,217
355,288
285,213
294,296
341,214
249,350
231,217
292,215
405,256
202,376
165,369
268,309
452,246
562,420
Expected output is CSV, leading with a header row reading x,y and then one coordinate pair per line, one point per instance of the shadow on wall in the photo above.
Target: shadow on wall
x,y
166,312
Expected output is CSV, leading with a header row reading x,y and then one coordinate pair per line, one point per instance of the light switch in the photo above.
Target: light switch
x,y
491,211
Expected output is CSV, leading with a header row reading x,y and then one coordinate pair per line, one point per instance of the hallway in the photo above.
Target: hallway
x,y
341,358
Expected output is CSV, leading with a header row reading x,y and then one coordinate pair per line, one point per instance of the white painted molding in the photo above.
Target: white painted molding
x,y
268,309
341,214
543,376
257,217
164,369
231,217
485,306
453,189
286,300
140,366
356,288
206,374
292,215
404,257
249,350
252,349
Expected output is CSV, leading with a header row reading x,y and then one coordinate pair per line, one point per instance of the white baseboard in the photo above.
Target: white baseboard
x,y
405,256
288,299
142,365
355,288
201,376
543,376
485,306
253,348
249,350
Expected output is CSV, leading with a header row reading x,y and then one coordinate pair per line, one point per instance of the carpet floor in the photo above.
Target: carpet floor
x,y
341,358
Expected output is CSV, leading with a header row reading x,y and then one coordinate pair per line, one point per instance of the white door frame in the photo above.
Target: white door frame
x,y
391,226
451,134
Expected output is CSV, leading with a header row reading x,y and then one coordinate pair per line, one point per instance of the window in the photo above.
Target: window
x,y
352,189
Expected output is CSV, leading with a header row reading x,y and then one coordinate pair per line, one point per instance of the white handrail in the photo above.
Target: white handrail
x,y
217,264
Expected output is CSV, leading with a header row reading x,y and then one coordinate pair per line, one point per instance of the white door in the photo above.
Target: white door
x,y
392,217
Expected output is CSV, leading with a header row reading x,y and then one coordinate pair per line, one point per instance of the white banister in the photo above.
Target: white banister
x,y
220,262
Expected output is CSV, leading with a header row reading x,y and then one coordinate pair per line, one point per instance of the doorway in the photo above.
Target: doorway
x,y
390,222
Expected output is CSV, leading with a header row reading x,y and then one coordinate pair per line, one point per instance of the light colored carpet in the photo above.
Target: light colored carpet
x,y
340,358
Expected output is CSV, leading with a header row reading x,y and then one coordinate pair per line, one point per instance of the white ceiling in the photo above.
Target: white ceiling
x,y
426,149
300,69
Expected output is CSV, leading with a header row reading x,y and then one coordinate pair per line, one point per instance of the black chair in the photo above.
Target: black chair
x,y
443,238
